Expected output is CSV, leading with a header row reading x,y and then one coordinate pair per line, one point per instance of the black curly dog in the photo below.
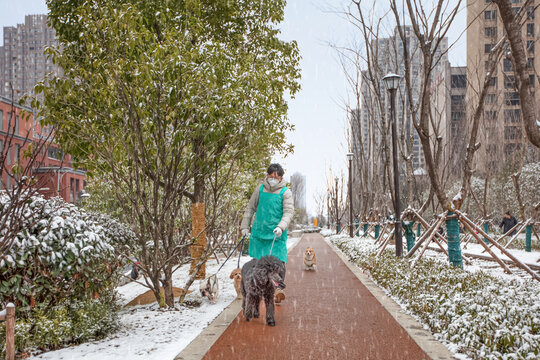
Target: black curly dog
x,y
260,278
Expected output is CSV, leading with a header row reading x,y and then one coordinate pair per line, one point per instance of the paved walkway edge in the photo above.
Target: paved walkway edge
x,y
204,341
424,339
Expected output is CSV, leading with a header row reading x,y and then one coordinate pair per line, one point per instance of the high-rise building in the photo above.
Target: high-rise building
x,y
501,133
22,62
390,60
298,188
457,125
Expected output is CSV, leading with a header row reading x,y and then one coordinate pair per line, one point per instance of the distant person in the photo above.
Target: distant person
x,y
135,271
508,222
273,207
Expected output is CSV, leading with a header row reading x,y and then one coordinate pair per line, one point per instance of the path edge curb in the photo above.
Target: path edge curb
x,y
199,346
427,342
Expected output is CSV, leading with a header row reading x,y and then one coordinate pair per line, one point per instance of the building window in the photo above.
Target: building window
x,y
55,153
1,120
531,80
71,190
530,46
490,14
17,152
511,98
515,1
512,116
490,115
490,31
16,124
530,13
530,63
487,48
457,99
530,30
509,82
512,132
507,65
515,10
491,98
458,81
493,82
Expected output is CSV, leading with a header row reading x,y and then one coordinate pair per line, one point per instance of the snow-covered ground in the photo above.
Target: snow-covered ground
x,y
147,332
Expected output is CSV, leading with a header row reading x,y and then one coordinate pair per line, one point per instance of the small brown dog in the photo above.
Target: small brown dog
x,y
237,276
310,260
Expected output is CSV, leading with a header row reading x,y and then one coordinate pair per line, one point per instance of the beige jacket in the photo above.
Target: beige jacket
x,y
288,205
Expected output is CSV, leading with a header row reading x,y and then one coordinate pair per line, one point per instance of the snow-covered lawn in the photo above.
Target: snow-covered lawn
x,y
147,332
479,313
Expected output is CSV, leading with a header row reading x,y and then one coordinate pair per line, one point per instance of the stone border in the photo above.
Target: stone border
x,y
431,346
199,346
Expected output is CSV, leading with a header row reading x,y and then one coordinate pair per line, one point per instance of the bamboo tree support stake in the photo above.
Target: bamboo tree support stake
x,y
426,244
467,239
505,234
432,234
372,229
426,234
9,316
385,243
517,234
503,265
381,237
502,249
536,234
439,236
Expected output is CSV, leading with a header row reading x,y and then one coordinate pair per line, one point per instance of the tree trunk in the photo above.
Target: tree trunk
x,y
198,217
519,56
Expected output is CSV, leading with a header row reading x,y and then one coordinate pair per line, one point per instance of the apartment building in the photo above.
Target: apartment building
x,y
390,60
501,134
53,169
22,62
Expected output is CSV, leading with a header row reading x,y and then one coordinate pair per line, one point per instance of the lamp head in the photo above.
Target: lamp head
x,y
391,81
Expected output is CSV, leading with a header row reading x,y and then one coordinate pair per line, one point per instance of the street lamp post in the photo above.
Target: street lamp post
x,y
336,203
391,82
350,158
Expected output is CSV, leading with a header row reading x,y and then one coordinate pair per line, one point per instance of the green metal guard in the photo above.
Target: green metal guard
x,y
409,234
528,237
486,230
454,246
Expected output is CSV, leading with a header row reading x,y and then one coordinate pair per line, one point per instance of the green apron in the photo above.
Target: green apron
x,y
268,216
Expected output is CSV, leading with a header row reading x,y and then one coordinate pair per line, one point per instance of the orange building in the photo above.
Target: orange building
x,y
52,168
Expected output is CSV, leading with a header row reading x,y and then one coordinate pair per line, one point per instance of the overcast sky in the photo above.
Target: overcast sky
x,y
318,111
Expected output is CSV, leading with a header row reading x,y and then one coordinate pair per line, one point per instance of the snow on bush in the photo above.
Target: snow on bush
x,y
483,316
62,253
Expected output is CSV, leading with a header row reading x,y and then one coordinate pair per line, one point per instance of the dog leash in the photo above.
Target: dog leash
x,y
240,252
273,241
232,252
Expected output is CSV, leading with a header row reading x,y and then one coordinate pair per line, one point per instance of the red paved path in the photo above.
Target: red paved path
x,y
328,314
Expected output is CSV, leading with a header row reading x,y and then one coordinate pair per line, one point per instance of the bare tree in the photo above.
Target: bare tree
x,y
21,153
